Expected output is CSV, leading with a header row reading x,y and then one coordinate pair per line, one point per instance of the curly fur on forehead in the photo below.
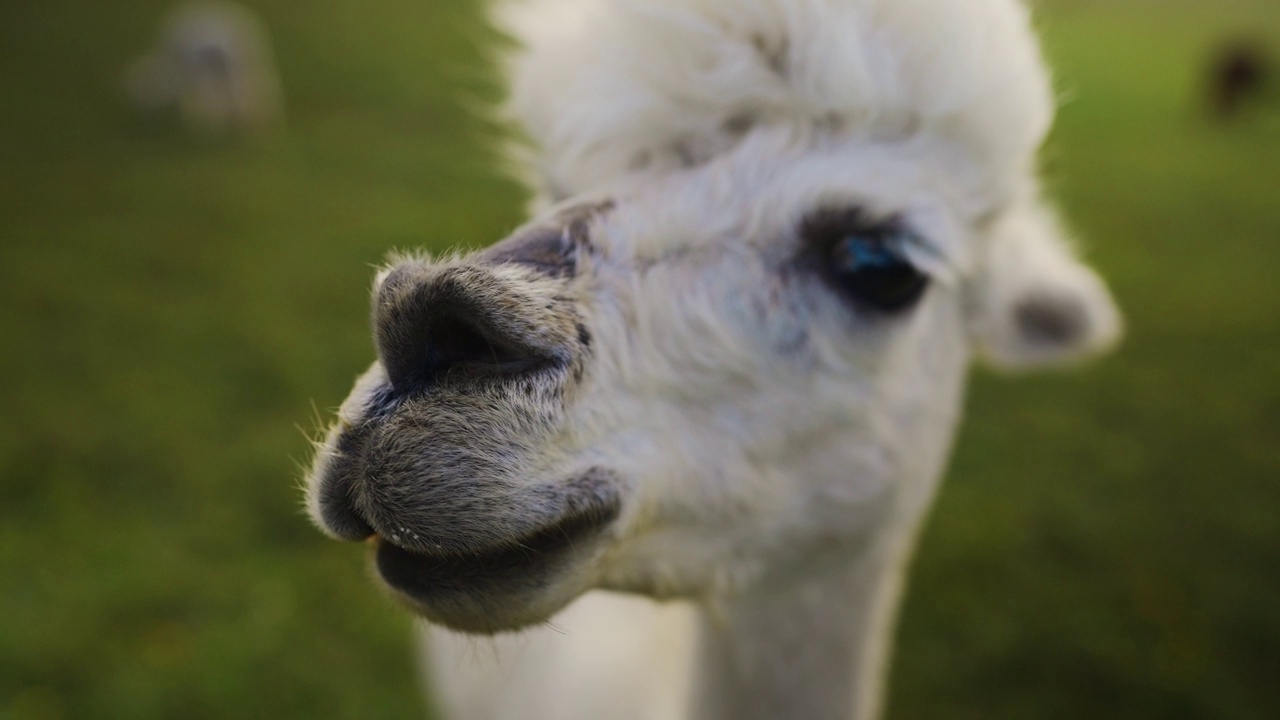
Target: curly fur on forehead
x,y
608,87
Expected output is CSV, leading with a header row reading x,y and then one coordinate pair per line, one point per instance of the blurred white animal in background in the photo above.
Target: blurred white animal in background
x,y
214,65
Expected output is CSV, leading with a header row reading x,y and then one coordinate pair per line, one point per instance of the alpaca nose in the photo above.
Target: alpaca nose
x,y
432,324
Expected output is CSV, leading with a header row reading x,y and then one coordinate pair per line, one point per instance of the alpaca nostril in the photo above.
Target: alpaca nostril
x,y
428,329
453,341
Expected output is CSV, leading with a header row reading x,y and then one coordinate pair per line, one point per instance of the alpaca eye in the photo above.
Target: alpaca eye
x,y
872,267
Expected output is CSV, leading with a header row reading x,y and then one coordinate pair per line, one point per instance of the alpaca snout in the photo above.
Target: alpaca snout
x,y
440,447
439,438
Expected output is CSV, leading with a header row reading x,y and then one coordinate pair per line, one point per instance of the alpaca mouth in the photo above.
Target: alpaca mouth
x,y
422,574
484,591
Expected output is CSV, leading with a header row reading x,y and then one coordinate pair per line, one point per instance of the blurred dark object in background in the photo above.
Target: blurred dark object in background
x,y
214,67
1240,70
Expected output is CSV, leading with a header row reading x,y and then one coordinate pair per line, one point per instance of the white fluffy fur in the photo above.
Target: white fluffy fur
x,y
779,451
600,82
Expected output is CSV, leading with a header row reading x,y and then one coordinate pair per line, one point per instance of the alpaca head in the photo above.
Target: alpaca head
x,y
706,369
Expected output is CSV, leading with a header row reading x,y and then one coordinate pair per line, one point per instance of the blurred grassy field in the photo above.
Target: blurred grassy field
x,y
171,312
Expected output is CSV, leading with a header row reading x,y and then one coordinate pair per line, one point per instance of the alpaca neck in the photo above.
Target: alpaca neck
x,y
816,650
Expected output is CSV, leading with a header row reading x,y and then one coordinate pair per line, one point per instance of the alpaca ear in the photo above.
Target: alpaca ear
x,y
1035,304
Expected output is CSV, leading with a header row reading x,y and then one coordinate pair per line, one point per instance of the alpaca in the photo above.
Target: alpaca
x,y
671,442
213,63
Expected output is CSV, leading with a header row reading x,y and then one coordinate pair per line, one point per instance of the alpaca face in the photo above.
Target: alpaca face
x,y
706,380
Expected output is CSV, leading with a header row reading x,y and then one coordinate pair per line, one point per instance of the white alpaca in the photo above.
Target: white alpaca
x,y
214,64
724,365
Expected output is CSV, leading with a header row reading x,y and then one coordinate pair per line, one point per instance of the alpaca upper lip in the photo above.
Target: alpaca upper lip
x,y
361,491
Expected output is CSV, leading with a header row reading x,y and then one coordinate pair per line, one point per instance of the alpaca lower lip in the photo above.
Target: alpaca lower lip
x,y
431,580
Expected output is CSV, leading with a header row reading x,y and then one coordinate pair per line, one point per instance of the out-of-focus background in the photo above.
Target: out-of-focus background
x,y
177,310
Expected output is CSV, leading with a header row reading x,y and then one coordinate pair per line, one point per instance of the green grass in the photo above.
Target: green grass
x,y
1108,544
